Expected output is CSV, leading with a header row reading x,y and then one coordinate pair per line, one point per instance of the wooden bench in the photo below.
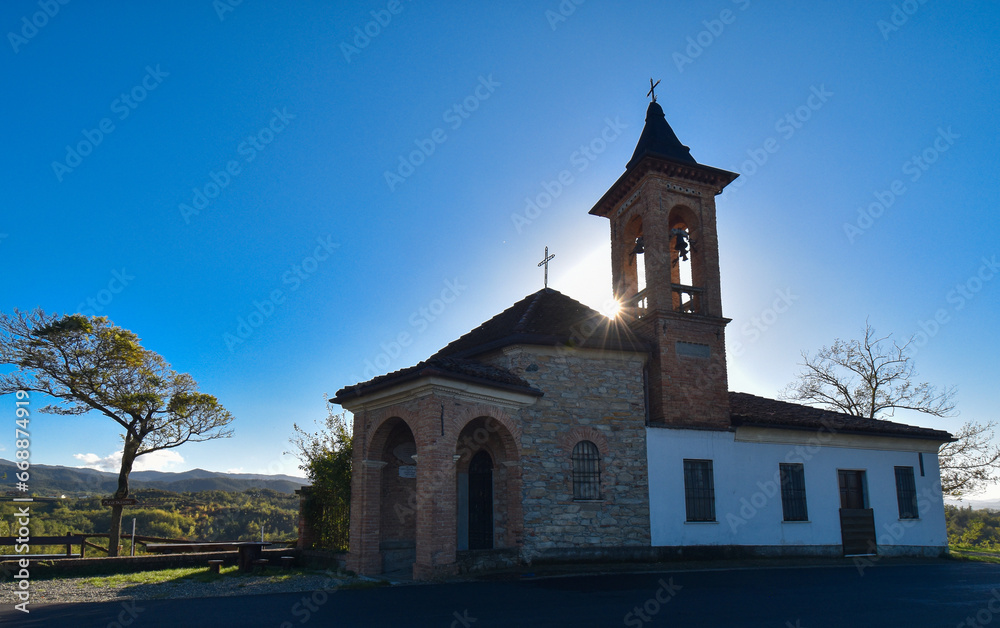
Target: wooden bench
x,y
69,541
214,565
287,562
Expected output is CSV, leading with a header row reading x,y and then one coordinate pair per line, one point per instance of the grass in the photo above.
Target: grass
x,y
185,574
976,554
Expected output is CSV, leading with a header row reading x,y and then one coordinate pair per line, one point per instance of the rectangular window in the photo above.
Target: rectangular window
x,y
699,490
793,492
906,493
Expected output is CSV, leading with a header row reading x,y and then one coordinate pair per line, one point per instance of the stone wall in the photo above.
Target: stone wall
x,y
589,395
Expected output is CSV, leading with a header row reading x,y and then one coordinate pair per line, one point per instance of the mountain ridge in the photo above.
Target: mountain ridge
x,y
80,481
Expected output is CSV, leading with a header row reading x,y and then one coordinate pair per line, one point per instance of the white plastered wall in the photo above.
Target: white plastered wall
x,y
748,499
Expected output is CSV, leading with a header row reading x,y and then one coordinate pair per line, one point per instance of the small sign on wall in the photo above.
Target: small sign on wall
x,y
408,471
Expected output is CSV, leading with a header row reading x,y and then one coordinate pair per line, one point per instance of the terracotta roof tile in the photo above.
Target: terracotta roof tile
x,y
749,409
451,368
550,318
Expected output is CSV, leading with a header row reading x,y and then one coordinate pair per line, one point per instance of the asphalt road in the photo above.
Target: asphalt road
x,y
937,594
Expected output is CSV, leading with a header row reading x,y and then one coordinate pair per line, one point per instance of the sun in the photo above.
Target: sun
x,y
611,308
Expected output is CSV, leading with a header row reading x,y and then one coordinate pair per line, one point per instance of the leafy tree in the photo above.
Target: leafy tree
x,y
88,364
973,528
873,378
326,459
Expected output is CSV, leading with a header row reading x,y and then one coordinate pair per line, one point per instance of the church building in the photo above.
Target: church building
x,y
554,433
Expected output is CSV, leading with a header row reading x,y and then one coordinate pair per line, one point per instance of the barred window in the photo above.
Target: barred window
x,y
699,490
906,493
586,471
793,492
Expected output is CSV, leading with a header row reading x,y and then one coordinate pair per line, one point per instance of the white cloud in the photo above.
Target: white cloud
x,y
236,470
157,461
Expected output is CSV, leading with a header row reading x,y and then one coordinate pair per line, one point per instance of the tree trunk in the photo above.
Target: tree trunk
x,y
116,529
114,536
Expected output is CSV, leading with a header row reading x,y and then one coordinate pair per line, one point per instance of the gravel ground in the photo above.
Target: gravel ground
x,y
77,590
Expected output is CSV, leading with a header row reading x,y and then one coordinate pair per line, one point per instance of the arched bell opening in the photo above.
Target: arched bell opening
x,y
687,274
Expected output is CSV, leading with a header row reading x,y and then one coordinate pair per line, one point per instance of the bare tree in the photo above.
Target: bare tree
x,y
88,364
873,378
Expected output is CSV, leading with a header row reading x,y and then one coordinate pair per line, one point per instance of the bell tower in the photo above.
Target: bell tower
x,y
665,273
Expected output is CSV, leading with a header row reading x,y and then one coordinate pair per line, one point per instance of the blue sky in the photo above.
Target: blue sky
x,y
282,204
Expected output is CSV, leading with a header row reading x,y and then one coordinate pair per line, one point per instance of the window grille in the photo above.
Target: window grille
x,y
699,490
793,492
906,493
586,471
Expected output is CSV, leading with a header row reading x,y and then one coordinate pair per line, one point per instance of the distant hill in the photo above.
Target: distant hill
x,y
977,504
77,482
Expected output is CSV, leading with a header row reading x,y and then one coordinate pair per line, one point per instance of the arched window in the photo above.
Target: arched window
x,y
586,471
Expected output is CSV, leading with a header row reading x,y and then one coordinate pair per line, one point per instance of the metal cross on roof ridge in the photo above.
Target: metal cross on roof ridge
x,y
545,262
652,86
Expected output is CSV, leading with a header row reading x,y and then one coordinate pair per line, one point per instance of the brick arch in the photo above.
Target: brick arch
x,y
375,436
568,440
510,436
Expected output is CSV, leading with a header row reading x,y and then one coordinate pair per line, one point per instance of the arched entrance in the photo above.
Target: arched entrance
x,y
480,501
396,451
488,485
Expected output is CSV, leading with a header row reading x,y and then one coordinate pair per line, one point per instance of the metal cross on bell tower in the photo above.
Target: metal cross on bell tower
x,y
545,262
652,86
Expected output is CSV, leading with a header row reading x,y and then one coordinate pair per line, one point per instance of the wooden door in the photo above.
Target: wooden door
x,y
481,501
857,523
852,489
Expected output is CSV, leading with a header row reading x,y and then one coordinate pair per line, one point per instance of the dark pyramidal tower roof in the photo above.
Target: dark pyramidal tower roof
x,y
659,140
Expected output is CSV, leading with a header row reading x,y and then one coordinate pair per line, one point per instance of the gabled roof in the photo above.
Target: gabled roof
x,y
448,368
751,410
659,140
547,318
